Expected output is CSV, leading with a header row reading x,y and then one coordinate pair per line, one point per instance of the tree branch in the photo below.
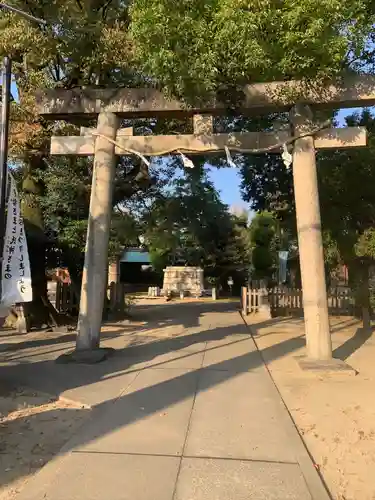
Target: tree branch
x,y
104,8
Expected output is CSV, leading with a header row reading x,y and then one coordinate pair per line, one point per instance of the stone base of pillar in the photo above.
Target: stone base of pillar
x,y
325,366
264,311
60,329
23,320
264,307
86,356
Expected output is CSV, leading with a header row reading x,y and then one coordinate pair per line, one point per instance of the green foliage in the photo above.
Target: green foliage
x,y
365,246
347,198
267,185
83,42
65,203
186,223
262,236
332,256
189,225
159,257
262,229
198,46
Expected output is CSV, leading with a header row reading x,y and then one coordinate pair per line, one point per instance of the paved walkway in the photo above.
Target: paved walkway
x,y
185,410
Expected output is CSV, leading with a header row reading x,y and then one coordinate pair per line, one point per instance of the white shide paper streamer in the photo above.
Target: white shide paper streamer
x,y
186,161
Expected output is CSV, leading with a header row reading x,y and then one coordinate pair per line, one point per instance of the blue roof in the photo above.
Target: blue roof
x,y
135,255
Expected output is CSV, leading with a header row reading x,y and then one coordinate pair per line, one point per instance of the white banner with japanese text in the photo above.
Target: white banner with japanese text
x,y
16,275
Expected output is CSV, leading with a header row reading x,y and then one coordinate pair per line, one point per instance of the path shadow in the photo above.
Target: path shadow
x,y
54,339
343,324
279,320
350,346
254,327
166,315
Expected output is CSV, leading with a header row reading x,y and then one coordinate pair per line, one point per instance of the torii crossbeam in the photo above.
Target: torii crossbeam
x,y
108,140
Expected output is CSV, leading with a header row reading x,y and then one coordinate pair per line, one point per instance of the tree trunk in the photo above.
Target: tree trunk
x,y
40,312
360,275
365,300
73,260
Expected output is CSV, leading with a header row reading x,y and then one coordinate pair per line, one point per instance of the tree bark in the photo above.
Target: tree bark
x,y
360,279
364,293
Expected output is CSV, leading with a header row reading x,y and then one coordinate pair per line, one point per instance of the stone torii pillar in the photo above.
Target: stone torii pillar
x,y
95,276
310,244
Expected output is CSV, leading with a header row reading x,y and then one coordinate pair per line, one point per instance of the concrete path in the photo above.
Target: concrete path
x,y
186,410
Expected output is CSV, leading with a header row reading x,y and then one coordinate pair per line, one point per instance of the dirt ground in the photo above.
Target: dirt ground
x,y
33,428
335,413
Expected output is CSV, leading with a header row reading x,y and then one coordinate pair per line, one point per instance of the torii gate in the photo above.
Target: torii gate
x,y
108,140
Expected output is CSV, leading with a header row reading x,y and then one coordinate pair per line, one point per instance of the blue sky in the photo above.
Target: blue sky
x,y
227,182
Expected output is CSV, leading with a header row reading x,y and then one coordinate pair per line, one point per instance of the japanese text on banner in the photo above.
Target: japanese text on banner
x,y
16,275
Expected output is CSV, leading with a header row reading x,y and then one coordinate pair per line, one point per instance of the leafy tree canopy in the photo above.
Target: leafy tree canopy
x,y
196,46
263,231
82,43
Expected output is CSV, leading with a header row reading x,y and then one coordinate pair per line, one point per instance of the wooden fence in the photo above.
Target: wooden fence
x,y
341,302
285,301
282,301
66,299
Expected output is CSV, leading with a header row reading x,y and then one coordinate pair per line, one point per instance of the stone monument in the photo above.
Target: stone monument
x,y
183,279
